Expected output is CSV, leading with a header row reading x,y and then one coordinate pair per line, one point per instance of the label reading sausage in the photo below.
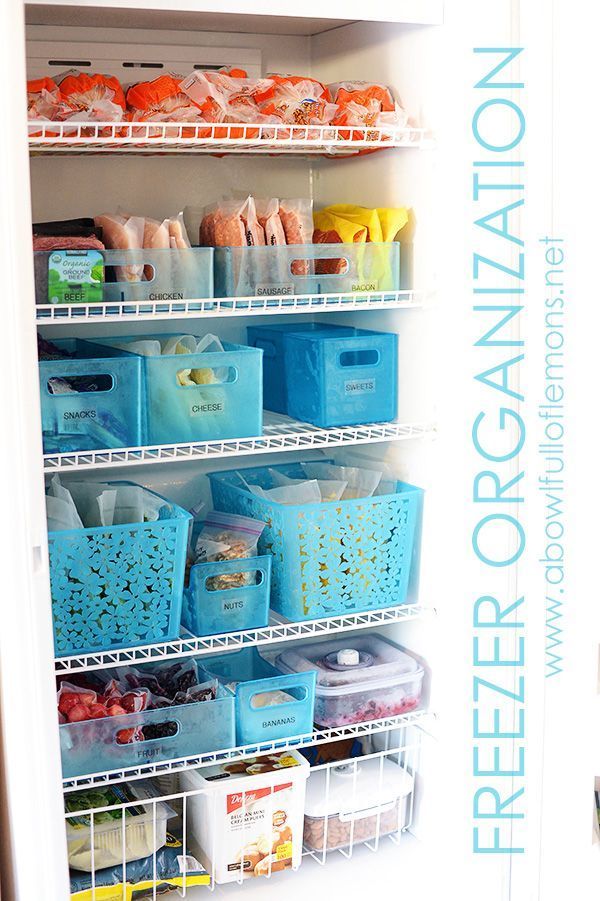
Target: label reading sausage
x,y
359,386
204,408
273,290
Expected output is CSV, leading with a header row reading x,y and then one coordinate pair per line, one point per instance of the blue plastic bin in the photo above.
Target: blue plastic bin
x,y
264,271
331,558
118,586
105,410
209,610
271,340
345,379
93,747
165,275
231,407
254,676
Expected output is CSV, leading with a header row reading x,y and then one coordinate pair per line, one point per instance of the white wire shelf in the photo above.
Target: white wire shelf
x,y
221,138
278,630
150,310
280,434
321,736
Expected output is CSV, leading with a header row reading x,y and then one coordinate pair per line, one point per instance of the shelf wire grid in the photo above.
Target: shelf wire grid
x,y
389,815
311,739
227,307
280,433
279,630
218,138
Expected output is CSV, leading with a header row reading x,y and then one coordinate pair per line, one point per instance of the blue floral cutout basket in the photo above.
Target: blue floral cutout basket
x,y
118,586
331,558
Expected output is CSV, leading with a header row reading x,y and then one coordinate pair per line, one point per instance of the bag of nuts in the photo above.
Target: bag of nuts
x,y
227,536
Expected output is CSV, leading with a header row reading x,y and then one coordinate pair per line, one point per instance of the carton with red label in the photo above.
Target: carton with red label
x,y
247,816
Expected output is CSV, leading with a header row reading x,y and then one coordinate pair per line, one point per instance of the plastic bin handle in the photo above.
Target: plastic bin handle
x,y
247,691
200,573
348,816
359,359
74,377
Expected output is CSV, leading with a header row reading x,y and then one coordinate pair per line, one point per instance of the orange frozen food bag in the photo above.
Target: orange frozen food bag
x,y
91,98
44,103
163,100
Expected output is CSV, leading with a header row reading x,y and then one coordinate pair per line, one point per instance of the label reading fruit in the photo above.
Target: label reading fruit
x,y
359,386
283,851
75,276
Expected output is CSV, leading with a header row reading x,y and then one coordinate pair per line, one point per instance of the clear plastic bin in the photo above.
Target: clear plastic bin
x,y
126,275
271,340
110,848
357,679
231,406
355,802
118,586
93,746
314,269
330,558
90,403
268,705
210,609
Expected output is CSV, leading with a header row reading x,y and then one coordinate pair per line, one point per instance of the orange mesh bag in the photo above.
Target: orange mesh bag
x,y
362,104
44,103
90,98
227,96
164,100
301,102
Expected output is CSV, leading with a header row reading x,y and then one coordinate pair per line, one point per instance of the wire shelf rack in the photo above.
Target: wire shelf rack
x,y
277,631
280,434
221,138
226,307
318,737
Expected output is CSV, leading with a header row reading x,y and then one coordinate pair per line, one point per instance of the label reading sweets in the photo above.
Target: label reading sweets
x,y
359,386
75,276
273,290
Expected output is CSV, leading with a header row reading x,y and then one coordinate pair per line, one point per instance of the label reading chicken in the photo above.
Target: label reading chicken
x,y
75,276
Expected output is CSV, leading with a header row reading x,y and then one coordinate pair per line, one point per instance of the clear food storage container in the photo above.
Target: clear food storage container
x,y
299,269
246,818
334,557
106,846
358,679
118,276
355,802
90,401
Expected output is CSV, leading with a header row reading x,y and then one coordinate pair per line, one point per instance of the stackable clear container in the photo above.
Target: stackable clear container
x,y
90,401
355,802
357,679
313,269
120,835
227,405
119,276
333,557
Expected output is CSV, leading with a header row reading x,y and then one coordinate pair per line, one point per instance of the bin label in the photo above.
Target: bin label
x,y
203,408
359,386
75,276
365,287
273,290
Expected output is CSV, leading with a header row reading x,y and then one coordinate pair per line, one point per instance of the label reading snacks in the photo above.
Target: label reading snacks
x,y
359,386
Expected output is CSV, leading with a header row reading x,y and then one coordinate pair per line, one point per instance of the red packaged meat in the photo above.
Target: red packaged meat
x,y
269,219
296,218
232,223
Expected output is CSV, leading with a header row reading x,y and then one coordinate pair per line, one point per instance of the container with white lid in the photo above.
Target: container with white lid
x,y
358,679
247,815
142,837
355,802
